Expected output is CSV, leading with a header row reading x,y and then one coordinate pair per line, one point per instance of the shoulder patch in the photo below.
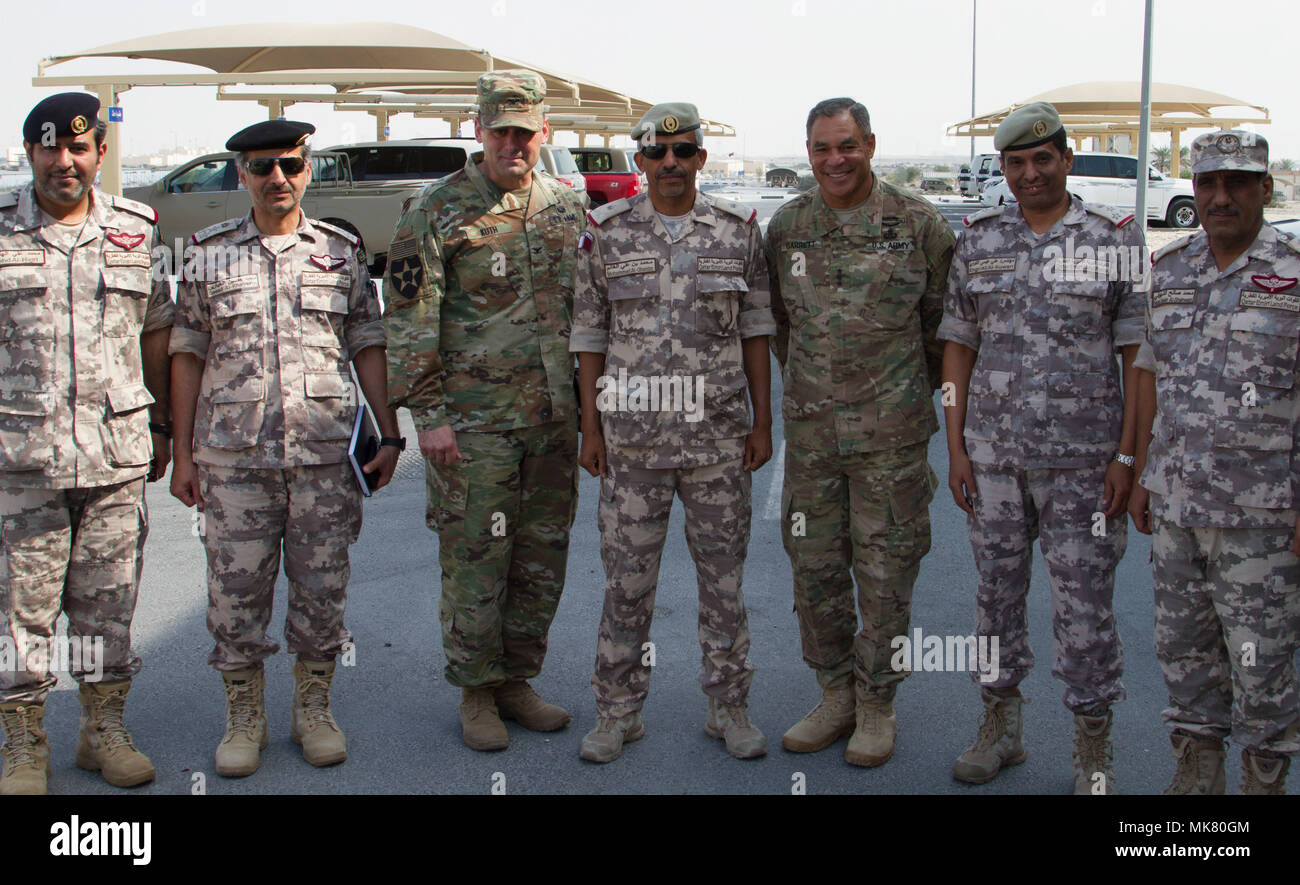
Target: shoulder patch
x,y
1169,248
334,229
135,207
991,212
219,228
744,213
9,200
1289,239
1117,217
602,214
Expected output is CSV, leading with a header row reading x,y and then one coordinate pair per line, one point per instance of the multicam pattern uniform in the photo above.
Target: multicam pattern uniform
x,y
276,329
479,308
74,433
857,309
1043,420
1223,479
662,308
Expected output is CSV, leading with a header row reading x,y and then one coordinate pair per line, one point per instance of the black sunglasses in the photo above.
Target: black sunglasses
x,y
288,165
682,150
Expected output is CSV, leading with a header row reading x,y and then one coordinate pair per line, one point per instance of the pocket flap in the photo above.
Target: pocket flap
x,y
1265,322
135,280
328,300
236,303
16,279
243,389
988,283
1089,385
326,384
911,495
996,383
1253,435
1166,318
128,399
720,282
26,402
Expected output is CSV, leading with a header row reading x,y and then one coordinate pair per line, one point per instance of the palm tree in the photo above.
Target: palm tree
x,y
1284,165
1160,157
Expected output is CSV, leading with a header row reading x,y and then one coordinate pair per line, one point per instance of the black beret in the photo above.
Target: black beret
x,y
270,134
70,113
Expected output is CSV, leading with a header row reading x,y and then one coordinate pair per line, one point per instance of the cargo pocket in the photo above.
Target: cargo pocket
x,y
238,407
237,317
988,415
1084,406
448,494
26,438
1262,348
329,406
717,301
128,440
1252,463
634,304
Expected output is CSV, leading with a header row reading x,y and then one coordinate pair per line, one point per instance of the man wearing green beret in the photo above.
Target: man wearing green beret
x,y
479,303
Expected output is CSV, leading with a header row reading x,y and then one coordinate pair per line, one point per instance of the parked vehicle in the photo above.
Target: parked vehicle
x,y
413,159
972,178
558,162
610,173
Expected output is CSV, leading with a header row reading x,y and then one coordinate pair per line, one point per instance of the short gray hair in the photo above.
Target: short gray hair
x,y
833,107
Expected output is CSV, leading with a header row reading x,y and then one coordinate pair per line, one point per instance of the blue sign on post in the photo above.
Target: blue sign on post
x,y
387,131
115,115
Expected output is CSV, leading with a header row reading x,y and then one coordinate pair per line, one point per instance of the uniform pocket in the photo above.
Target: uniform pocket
x,y
1084,406
127,436
717,304
238,408
329,406
1262,348
237,319
26,438
1252,463
634,304
126,294
988,415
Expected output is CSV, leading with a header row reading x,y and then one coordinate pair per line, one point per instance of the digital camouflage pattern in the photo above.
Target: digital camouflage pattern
x,y
1227,603
503,515
1229,149
635,503
857,309
76,417
657,307
276,330
1055,506
315,511
479,301
1046,321
77,552
1223,348
863,516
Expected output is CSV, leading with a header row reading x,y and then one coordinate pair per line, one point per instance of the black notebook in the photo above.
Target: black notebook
x,y
363,448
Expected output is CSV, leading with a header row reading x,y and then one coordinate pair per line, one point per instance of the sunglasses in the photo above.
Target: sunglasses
x,y
288,165
682,150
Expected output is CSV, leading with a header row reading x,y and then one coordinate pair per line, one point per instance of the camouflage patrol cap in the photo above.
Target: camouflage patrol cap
x,y
69,113
511,98
1232,149
1026,127
668,118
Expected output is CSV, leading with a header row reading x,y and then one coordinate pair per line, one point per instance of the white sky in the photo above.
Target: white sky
x,y
757,64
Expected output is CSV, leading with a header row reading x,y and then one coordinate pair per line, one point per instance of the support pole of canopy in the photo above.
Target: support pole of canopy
x,y
1144,125
110,173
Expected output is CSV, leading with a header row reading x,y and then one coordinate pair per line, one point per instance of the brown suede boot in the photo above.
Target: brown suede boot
x,y
312,725
26,750
1200,766
239,753
873,739
480,722
1093,754
1263,775
998,742
516,700
105,744
832,718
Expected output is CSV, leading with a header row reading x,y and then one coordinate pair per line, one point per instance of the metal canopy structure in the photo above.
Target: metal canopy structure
x,y
376,68
1113,107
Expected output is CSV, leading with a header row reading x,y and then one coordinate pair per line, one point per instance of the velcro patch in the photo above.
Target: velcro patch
x,y
704,264
231,284
10,257
402,249
1004,264
626,268
1161,297
406,273
113,258
1270,300
900,246
338,280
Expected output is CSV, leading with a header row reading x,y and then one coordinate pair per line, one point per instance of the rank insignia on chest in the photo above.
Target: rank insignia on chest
x,y
11,257
1274,283
123,240
1001,264
328,262
1270,300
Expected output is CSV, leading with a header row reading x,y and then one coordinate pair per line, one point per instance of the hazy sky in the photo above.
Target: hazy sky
x,y
758,65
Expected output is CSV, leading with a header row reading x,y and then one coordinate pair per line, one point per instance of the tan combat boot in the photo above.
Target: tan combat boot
x,y
1200,766
105,744
1263,775
832,719
1093,754
604,743
516,700
312,725
481,727
730,722
26,751
239,753
998,742
873,739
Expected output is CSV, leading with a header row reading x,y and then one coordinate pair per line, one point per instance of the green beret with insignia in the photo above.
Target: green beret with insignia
x,y
68,113
1230,149
668,118
270,135
511,98
1027,127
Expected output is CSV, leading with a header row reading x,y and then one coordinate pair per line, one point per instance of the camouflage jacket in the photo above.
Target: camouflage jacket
x,y
1046,315
276,331
72,395
1223,346
479,303
662,310
858,308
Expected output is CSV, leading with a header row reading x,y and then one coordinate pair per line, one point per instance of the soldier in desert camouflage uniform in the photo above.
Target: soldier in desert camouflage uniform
x,y
858,270
1220,475
85,323
480,297
272,308
671,324
1041,295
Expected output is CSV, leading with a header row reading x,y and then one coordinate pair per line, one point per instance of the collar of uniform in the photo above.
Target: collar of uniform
x,y
643,210
493,195
1076,214
248,229
29,216
1265,245
868,215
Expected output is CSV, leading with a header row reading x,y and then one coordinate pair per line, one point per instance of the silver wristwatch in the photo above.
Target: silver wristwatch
x,y
1127,460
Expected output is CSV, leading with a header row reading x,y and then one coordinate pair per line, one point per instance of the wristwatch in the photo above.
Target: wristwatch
x,y
161,428
1127,460
399,442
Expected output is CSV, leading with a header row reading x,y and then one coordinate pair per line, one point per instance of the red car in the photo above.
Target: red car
x,y
610,173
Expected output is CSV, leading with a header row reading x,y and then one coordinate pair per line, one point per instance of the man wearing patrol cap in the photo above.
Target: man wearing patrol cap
x,y
1220,490
83,381
272,308
672,292
479,304
1041,295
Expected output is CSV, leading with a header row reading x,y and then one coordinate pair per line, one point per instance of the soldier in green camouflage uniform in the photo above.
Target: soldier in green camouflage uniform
x,y
479,301
83,369
1222,329
858,270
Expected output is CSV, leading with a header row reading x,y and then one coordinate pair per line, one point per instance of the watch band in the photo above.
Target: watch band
x,y
399,442
162,429
1127,460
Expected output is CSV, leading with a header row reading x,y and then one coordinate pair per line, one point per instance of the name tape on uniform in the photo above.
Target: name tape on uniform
x,y
905,246
1162,297
338,280
10,257
126,259
719,265
1270,300
232,284
626,268
1004,264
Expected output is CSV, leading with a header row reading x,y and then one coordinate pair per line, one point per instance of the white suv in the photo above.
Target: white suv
x,y
1111,179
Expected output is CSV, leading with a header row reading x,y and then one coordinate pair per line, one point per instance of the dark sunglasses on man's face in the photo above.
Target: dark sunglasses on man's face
x,y
682,150
288,165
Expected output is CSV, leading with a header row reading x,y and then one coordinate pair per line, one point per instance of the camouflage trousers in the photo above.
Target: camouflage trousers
x,y
314,513
1227,629
75,551
863,516
503,515
1057,506
635,504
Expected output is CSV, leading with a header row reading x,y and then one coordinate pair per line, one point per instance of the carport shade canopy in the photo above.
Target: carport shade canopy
x,y
374,67
1113,107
